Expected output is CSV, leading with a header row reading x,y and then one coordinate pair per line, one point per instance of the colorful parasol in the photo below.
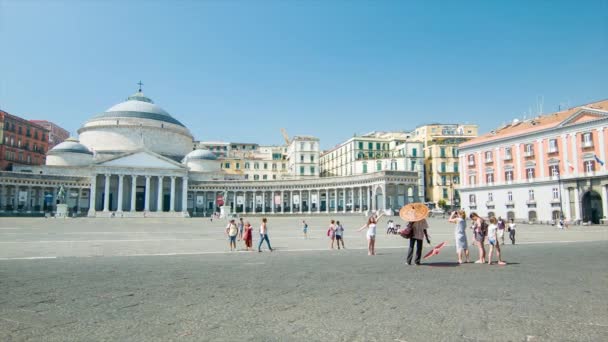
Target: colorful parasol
x,y
435,250
413,212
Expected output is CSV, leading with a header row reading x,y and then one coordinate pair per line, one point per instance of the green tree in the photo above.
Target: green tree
x,y
442,204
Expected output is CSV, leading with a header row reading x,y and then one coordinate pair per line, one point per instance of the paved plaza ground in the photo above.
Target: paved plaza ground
x,y
175,280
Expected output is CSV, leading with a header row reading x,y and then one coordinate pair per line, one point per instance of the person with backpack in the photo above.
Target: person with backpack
x,y
480,229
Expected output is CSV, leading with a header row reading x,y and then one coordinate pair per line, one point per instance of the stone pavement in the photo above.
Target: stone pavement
x,y
173,280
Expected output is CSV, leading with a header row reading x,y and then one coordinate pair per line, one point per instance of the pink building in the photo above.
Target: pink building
x,y
56,133
540,169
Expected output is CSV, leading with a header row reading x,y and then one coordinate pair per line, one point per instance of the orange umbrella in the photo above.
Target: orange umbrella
x,y
413,212
435,250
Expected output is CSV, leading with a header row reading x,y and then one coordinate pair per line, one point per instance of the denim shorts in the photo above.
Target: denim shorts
x,y
232,238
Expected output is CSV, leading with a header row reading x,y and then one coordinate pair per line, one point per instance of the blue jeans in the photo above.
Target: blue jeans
x,y
262,238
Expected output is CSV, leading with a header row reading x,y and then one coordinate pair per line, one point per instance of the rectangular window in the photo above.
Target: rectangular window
x,y
265,177
529,148
238,166
456,180
274,166
508,153
365,168
455,166
490,197
443,180
445,193
443,167
454,152
227,165
530,173
531,195
414,152
412,165
589,166
312,159
510,196
555,193
553,146
472,199
265,166
377,146
509,176
360,145
489,178
472,180
554,170
302,158
488,156
587,140
442,152
283,166
471,160
301,170
274,176
312,170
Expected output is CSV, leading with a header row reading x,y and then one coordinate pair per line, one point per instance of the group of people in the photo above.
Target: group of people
x,y
492,231
244,231
336,234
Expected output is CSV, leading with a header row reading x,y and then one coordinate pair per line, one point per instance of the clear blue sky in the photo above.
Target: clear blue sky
x,y
241,70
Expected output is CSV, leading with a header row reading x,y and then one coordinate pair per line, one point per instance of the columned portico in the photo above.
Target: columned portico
x,y
106,194
132,207
120,193
172,198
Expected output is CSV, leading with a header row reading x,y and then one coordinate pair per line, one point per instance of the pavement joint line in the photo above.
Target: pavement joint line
x,y
253,252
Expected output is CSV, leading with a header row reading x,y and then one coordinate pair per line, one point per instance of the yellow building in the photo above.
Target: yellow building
x,y
441,168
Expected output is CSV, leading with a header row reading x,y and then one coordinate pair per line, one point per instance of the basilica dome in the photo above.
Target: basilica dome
x,y
69,153
134,124
202,160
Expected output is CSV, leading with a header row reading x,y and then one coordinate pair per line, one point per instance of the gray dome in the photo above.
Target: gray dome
x,y
137,106
70,145
200,154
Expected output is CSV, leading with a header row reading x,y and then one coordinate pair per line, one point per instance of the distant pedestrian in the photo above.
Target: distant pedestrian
x,y
371,233
264,235
248,236
493,241
232,232
331,232
390,227
460,234
512,231
305,229
501,229
479,231
419,233
241,225
339,235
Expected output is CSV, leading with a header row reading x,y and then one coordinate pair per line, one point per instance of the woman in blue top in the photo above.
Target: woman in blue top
x,y
459,217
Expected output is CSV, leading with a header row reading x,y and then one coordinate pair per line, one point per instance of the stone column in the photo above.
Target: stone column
x,y
264,202
272,204
282,201
30,203
120,191
92,195
605,200
291,201
133,192
301,201
185,195
369,199
310,201
577,204
106,196
147,197
319,201
360,199
384,197
172,201
40,199
2,198
336,201
159,197
327,201
344,199
600,134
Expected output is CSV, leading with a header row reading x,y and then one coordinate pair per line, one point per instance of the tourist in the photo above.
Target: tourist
x,y
512,231
390,227
493,241
479,231
331,232
339,235
419,233
501,229
305,229
264,235
232,232
241,225
459,217
248,236
371,233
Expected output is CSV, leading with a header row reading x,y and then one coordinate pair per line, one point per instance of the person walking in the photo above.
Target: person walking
x,y
512,231
493,241
371,233
264,235
419,233
248,236
501,229
479,231
459,218
305,229
331,232
232,232
339,235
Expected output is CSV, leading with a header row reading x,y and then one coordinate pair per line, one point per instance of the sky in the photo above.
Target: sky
x,y
240,70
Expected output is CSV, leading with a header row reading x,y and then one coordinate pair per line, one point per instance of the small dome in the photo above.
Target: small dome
x,y
71,145
200,154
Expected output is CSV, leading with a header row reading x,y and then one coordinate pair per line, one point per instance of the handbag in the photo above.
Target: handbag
x,y
408,231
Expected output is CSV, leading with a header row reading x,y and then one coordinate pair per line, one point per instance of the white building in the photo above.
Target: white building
x,y
136,160
540,169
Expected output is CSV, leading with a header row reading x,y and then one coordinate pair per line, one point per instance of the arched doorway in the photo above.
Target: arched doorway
x,y
379,199
592,207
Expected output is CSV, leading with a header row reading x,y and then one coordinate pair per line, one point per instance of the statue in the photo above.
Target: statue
x,y
61,195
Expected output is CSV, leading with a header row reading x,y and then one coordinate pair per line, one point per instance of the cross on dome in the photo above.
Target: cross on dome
x,y
140,84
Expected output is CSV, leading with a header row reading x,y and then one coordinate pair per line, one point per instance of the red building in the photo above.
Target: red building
x,y
57,134
21,142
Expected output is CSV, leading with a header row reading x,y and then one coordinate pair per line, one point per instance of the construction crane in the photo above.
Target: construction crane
x,y
285,136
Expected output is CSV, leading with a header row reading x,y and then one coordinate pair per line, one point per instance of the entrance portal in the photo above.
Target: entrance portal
x,y
592,207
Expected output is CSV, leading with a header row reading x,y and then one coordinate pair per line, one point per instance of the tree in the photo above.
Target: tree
x,y
442,204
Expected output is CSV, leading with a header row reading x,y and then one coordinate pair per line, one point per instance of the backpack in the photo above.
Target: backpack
x,y
484,227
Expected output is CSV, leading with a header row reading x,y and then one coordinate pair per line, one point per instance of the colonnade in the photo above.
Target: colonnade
x,y
38,198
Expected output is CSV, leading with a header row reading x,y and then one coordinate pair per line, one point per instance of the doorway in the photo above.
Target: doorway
x,y
592,207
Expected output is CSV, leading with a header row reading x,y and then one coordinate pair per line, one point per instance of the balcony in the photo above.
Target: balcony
x,y
508,157
529,154
471,163
553,150
489,161
588,144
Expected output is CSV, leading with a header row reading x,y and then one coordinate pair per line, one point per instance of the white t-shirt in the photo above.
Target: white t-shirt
x,y
512,226
492,231
339,230
263,228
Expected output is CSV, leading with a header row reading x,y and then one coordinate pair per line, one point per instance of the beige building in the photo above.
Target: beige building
x,y
441,166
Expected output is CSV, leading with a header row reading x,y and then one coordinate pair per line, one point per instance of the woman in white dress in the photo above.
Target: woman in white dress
x,y
459,217
371,233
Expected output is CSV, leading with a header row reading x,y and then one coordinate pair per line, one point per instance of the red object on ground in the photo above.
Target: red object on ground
x,y
435,250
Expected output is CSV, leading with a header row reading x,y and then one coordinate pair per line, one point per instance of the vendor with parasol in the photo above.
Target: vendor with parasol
x,y
415,214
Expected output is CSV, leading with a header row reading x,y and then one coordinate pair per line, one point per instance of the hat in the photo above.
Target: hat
x,y
413,212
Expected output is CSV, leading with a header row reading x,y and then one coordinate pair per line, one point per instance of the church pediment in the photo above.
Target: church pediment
x,y
142,159
584,115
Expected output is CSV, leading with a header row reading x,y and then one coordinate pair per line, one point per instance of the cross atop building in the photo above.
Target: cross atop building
x,y
140,84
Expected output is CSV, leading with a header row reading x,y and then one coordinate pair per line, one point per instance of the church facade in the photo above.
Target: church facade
x,y
136,160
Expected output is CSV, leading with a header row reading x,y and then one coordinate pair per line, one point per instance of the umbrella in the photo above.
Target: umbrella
x,y
435,250
413,212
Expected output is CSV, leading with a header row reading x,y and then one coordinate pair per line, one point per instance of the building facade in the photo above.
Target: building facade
x,y
441,163
56,135
541,169
21,142
136,160
376,152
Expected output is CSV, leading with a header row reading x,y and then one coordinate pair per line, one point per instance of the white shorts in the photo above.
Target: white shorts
x,y
370,236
